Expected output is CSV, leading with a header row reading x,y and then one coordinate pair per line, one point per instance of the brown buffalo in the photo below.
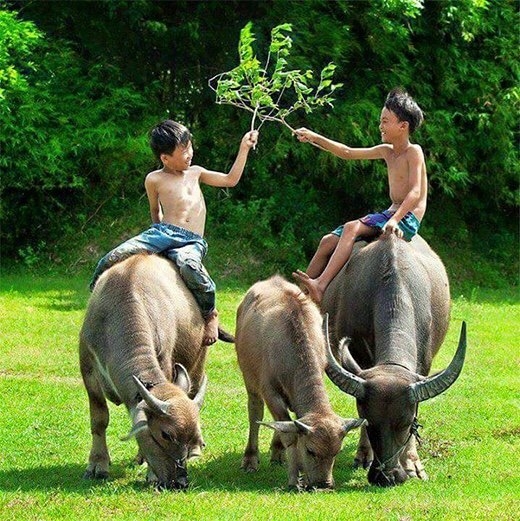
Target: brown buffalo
x,y
141,346
281,353
392,303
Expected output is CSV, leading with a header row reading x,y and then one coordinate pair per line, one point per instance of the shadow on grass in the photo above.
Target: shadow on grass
x,y
218,474
68,478
223,472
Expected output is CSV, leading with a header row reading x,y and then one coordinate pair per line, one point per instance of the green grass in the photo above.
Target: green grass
x,y
471,433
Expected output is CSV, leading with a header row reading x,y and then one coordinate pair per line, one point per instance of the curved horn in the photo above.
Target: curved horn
x,y
346,381
199,397
437,384
353,423
347,360
288,427
157,406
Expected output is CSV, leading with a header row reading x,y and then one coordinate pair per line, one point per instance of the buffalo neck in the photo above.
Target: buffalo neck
x,y
309,394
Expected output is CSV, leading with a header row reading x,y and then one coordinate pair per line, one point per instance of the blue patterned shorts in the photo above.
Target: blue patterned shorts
x,y
409,224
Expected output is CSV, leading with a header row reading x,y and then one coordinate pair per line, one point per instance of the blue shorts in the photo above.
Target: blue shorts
x,y
185,248
409,224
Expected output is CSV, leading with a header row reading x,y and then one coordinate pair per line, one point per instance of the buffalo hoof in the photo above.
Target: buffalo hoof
x,y
362,463
295,488
320,487
277,457
387,478
95,473
181,485
250,463
139,459
414,468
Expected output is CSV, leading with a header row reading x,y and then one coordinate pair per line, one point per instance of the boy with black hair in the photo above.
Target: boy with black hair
x,y
407,182
178,213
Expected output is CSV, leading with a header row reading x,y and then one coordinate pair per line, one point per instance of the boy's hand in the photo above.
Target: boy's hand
x,y
392,227
250,139
304,135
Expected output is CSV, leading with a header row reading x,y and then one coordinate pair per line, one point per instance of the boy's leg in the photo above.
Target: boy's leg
x,y
317,286
320,259
198,281
151,241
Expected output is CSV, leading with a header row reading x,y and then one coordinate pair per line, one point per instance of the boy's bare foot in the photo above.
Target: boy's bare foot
x,y
211,329
311,285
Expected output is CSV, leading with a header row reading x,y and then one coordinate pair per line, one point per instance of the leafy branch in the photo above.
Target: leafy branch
x,y
272,92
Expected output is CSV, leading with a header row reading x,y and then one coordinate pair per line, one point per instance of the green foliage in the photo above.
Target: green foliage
x,y
17,40
72,133
77,105
271,92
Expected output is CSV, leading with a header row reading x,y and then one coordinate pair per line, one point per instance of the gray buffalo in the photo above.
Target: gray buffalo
x,y
281,352
391,306
141,346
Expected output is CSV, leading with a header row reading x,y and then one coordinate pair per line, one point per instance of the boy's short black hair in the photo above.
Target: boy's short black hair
x,y
404,107
167,136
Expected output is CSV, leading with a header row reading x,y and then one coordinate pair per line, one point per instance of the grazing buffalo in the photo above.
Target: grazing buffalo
x,y
392,303
281,352
141,345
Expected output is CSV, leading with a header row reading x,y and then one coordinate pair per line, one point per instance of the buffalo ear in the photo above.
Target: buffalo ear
x,y
135,430
140,423
182,378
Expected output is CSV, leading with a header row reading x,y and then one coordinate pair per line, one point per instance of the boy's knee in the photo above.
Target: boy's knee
x,y
352,227
193,274
328,242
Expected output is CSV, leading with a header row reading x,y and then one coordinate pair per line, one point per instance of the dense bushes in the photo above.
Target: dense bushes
x,y
82,82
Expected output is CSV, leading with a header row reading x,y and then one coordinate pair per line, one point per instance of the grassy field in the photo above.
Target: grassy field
x,y
471,433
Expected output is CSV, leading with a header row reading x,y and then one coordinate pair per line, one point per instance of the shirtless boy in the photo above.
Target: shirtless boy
x,y
178,213
407,184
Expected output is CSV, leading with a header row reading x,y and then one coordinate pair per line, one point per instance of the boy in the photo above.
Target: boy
x,y
407,185
178,213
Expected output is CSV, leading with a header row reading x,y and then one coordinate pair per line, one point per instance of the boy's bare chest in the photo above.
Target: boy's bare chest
x,y
181,189
398,174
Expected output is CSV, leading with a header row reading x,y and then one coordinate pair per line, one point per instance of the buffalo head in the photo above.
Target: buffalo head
x,y
167,429
316,440
387,397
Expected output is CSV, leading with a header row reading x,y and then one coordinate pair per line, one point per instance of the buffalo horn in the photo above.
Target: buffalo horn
x,y
288,427
346,381
157,406
347,360
437,384
353,423
199,397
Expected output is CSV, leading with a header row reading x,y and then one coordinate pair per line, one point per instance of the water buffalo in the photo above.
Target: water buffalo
x,y
281,353
392,303
141,345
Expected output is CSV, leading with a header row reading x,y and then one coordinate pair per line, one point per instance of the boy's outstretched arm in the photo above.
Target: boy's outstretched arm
x,y
221,180
339,149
